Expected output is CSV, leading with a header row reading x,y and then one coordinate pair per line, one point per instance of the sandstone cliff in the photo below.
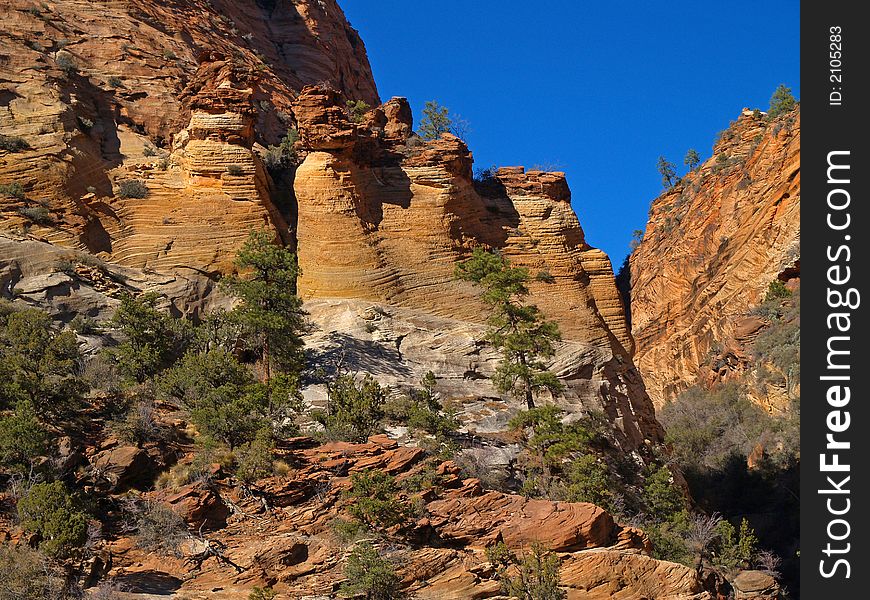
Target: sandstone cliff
x,y
144,128
713,244
172,96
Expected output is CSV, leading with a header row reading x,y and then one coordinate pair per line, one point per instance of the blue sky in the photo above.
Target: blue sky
x,y
599,89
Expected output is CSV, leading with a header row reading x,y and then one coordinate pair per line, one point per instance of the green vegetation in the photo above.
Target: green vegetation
x,y
269,312
422,411
42,364
636,239
353,410
776,291
532,576
221,395
23,439
668,171
154,340
781,102
37,214
266,593
283,156
12,190
374,500
561,462
692,159
13,143
518,330
436,120
369,575
52,514
132,188
357,109
66,64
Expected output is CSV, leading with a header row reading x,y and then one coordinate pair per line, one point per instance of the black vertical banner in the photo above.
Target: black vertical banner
x,y
835,376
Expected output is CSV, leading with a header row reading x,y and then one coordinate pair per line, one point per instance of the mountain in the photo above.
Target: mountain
x,y
144,141
713,245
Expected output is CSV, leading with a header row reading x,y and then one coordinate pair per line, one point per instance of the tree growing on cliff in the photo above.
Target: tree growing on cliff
x,y
357,109
437,120
518,330
781,101
692,159
270,313
668,171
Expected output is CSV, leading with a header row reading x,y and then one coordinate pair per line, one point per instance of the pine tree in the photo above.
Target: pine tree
x,y
692,159
270,313
518,330
781,102
667,170
436,120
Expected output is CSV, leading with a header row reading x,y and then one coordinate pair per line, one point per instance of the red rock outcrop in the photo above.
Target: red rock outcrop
x,y
174,95
386,218
713,244
282,535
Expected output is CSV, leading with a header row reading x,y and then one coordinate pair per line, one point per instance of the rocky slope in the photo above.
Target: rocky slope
x,y
280,532
144,128
713,244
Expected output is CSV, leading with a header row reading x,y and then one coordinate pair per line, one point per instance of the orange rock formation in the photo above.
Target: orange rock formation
x,y
713,244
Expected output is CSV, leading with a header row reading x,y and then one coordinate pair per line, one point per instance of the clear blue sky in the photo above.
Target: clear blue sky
x,y
600,89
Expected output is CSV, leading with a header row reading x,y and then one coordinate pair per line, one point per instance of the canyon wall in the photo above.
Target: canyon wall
x,y
713,244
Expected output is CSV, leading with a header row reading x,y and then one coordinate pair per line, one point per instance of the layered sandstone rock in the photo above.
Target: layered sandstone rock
x,y
174,95
386,219
713,244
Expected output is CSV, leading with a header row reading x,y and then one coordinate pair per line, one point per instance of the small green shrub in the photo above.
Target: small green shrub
x,y
12,190
66,64
661,495
84,325
357,109
23,439
266,593
132,188
254,459
283,156
50,512
533,576
369,575
13,143
115,82
235,170
37,214
776,290
374,499
169,54
347,530
354,410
